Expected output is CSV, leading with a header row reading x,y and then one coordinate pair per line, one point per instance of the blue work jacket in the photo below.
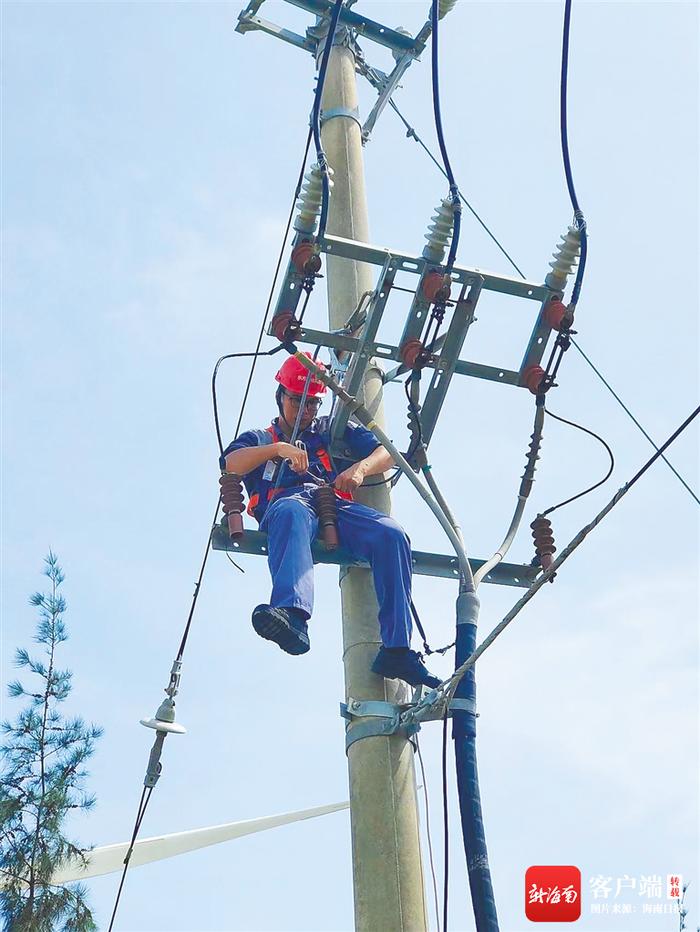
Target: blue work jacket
x,y
271,479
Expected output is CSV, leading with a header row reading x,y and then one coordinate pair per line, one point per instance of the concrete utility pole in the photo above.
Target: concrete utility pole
x,y
387,869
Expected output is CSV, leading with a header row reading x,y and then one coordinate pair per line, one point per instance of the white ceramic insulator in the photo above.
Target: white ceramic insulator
x,y
565,259
445,7
310,198
439,232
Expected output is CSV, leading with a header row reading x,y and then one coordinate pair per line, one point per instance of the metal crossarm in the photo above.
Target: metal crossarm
x,y
393,39
424,564
444,358
462,319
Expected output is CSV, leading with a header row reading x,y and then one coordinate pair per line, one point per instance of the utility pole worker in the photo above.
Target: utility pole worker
x,y
279,478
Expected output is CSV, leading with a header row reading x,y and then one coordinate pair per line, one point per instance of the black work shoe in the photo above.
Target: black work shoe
x,y
400,663
284,626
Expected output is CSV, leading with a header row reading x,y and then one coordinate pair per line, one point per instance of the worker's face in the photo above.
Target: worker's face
x,y
290,409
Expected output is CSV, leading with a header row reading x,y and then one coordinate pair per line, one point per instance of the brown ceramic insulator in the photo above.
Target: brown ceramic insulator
x,y
544,540
325,508
557,315
232,501
436,287
305,259
283,325
532,378
410,353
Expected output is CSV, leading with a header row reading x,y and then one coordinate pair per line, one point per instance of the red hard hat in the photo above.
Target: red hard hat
x,y
293,374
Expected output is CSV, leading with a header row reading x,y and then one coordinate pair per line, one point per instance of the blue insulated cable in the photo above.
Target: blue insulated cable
x,y
578,213
316,117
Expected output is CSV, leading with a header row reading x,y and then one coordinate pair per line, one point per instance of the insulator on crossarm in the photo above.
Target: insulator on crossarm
x,y
565,258
445,7
544,541
411,352
309,201
439,232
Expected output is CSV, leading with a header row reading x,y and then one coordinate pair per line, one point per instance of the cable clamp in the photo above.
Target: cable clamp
x,y
432,709
352,114
380,719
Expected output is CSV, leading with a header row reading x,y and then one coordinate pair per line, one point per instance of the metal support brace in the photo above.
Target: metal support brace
x,y
539,337
291,289
391,81
462,319
364,348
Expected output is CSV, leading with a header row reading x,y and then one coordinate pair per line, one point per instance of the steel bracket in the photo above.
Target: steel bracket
x,y
379,719
373,718
351,113
291,288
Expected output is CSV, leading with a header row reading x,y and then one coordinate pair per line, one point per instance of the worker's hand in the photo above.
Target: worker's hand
x,y
351,478
296,457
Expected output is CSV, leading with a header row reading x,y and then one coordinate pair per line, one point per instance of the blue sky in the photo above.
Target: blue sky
x,y
149,155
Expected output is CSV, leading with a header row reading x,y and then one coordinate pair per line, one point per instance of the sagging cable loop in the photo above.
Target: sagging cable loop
x,y
445,692
526,484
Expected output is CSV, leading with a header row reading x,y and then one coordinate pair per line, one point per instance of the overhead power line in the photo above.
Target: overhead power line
x,y
634,420
148,791
452,681
411,133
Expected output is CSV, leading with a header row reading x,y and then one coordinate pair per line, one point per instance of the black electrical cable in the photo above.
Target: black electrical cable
x,y
634,420
316,117
427,832
215,404
578,213
573,544
597,484
454,190
297,189
412,134
142,805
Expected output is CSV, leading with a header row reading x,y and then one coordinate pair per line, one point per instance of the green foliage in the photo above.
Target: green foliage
x,y
41,783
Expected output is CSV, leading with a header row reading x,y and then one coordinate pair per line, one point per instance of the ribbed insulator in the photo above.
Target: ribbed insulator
x,y
326,511
309,203
439,232
533,454
445,7
565,258
544,540
232,501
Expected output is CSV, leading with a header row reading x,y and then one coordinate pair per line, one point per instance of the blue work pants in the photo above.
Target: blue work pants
x,y
291,526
